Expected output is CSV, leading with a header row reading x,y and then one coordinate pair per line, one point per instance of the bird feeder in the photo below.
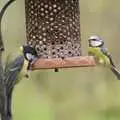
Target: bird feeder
x,y
53,29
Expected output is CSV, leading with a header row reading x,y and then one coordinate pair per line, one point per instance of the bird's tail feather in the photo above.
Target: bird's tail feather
x,y
116,72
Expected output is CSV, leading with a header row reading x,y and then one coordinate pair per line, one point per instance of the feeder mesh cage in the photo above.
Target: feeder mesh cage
x,y
53,27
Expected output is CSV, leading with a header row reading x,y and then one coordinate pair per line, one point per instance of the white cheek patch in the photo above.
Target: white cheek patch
x,y
96,43
29,56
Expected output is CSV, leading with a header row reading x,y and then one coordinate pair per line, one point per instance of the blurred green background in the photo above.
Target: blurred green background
x,y
71,94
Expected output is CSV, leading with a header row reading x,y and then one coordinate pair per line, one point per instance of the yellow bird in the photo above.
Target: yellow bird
x,y
97,49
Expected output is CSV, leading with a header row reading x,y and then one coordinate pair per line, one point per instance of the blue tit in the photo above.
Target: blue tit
x,y
97,49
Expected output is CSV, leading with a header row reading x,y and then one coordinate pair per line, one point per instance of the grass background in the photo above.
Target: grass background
x,y
71,94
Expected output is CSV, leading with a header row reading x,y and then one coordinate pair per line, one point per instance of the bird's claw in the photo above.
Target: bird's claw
x,y
26,76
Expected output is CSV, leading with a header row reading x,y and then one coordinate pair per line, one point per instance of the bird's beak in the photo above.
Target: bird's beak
x,y
21,48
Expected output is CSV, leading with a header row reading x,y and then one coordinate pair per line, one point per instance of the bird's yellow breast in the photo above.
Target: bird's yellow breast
x,y
99,55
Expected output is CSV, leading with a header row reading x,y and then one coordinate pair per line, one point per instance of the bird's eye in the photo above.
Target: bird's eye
x,y
93,39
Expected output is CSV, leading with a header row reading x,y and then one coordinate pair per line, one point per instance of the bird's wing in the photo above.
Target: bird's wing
x,y
106,53
14,69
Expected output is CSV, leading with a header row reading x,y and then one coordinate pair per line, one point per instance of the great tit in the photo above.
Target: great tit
x,y
97,49
30,55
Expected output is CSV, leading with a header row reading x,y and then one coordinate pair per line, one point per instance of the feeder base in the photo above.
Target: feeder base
x,y
70,62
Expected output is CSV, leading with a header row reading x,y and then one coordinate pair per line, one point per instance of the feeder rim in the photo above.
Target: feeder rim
x,y
69,62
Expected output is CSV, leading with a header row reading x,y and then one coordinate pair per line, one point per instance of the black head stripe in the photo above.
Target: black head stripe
x,y
28,49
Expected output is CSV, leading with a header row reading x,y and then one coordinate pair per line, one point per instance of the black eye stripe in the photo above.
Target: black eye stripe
x,y
94,40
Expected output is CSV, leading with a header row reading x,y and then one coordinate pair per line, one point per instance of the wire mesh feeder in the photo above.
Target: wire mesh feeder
x,y
53,29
